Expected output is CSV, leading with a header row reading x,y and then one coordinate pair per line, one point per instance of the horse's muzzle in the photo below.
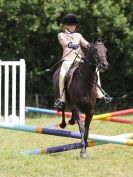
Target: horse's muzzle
x,y
103,67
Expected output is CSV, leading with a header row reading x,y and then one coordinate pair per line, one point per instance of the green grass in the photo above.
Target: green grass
x,y
108,160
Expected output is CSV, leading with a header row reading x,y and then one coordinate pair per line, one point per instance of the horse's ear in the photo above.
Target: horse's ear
x,y
91,44
99,39
105,40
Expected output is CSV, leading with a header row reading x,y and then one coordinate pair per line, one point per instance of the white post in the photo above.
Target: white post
x,y
6,93
13,90
0,91
14,93
22,92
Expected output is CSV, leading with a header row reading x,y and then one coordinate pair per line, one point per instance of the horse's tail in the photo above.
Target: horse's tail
x,y
56,83
66,89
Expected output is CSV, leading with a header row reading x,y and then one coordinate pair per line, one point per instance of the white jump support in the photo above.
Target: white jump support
x,y
12,91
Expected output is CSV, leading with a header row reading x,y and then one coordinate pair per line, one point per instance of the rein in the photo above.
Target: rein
x,y
94,81
94,74
61,60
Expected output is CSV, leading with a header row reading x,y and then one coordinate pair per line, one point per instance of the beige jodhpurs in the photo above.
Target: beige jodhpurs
x,y
64,68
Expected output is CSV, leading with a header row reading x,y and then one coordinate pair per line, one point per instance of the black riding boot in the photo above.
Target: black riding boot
x,y
105,99
59,104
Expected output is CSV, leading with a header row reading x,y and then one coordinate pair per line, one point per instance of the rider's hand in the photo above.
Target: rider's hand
x,y
73,46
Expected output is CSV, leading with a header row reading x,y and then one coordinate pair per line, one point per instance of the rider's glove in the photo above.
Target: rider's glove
x,y
73,46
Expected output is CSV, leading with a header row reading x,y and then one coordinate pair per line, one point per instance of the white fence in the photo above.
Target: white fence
x,y
12,91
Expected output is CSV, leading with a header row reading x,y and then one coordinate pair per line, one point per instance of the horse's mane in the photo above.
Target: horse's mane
x,y
89,53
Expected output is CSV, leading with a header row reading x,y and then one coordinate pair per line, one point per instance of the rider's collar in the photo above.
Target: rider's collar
x,y
68,32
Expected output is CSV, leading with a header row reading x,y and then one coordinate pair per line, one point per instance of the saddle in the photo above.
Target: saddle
x,y
69,75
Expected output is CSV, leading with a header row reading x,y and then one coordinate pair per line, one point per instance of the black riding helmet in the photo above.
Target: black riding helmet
x,y
70,19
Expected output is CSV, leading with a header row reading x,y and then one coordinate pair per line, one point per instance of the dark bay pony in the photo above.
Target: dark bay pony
x,y
81,96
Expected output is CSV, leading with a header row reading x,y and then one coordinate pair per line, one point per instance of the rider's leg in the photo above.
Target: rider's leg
x,y
64,69
101,94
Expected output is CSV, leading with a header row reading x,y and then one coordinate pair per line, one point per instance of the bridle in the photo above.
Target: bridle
x,y
98,58
97,64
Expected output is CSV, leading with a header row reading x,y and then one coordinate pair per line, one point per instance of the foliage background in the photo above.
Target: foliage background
x,y
28,29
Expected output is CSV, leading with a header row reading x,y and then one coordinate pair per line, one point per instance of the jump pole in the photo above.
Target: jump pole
x,y
96,139
41,130
68,147
68,114
62,148
63,133
118,120
109,119
116,113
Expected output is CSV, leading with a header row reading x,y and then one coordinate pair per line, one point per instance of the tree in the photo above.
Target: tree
x,y
28,29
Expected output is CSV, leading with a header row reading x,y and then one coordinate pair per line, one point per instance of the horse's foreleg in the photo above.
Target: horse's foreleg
x,y
87,125
83,152
75,116
63,123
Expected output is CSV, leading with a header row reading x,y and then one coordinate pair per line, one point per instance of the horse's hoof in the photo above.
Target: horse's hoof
x,y
83,154
71,122
62,125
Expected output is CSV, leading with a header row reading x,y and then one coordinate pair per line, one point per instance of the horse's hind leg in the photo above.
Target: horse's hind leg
x,y
63,123
73,117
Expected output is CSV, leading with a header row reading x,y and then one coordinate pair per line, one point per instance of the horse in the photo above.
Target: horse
x,y
81,95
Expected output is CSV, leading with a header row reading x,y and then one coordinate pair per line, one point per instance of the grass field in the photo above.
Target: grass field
x,y
108,160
